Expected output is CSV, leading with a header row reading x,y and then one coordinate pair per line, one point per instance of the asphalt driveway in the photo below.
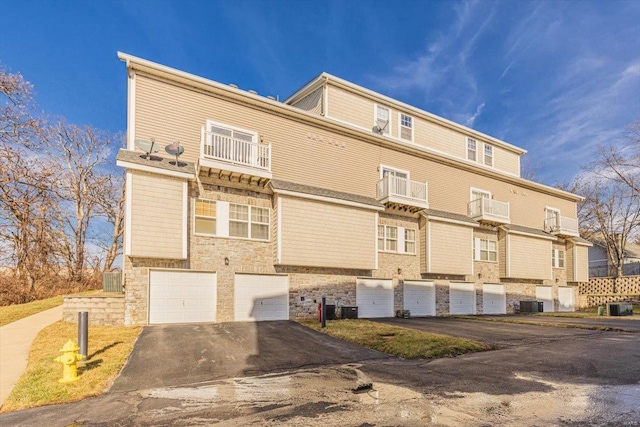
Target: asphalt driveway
x,y
280,373
173,355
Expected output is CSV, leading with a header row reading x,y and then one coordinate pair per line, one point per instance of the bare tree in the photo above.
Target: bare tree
x,y
81,185
621,161
112,207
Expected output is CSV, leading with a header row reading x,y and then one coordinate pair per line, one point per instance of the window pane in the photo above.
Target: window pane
x,y
205,226
382,113
409,234
392,232
260,215
405,133
239,212
242,136
221,131
410,247
205,208
493,256
259,231
392,245
238,229
492,245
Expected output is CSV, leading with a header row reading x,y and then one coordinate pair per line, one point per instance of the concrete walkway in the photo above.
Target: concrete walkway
x,y
15,341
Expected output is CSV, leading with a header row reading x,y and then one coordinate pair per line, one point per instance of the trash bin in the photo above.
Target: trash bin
x,y
601,310
330,312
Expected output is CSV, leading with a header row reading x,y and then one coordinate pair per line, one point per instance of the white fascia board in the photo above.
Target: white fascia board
x,y
157,171
185,218
329,200
279,232
449,220
537,236
131,116
127,214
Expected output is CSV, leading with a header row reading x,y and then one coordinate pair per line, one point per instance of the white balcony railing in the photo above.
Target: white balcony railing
x,y
236,151
485,209
402,191
561,226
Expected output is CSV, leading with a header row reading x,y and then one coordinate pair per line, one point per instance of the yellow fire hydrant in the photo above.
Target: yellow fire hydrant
x,y
69,359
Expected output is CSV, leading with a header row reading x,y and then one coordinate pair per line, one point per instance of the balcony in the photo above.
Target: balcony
x,y
489,211
239,159
562,226
402,193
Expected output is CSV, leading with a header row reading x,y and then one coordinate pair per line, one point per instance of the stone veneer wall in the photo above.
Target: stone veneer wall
x,y
601,290
104,310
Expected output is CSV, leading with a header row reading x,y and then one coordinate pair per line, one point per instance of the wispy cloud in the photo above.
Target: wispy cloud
x,y
471,120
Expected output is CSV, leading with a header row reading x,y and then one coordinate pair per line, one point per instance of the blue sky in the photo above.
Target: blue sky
x,y
554,77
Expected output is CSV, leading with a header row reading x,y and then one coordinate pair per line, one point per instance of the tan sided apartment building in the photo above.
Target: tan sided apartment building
x,y
338,192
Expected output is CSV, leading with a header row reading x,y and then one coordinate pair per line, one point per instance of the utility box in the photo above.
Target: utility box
x,y
529,306
619,309
349,312
540,306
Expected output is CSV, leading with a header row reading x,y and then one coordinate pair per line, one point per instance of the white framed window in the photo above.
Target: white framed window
x,y
472,150
382,119
488,155
395,172
250,222
485,250
224,130
406,127
231,143
205,217
552,218
387,238
557,258
409,241
479,194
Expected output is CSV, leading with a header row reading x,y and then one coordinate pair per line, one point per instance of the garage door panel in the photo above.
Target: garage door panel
x,y
419,298
374,298
545,294
494,299
261,297
566,299
462,298
182,297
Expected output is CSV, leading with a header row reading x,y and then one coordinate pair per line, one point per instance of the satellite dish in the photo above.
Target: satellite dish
x,y
380,130
147,146
175,149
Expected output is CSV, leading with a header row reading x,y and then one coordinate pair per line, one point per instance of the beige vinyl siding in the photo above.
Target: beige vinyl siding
x,y
451,248
570,262
171,113
319,234
311,102
502,253
156,216
582,273
423,237
357,110
529,258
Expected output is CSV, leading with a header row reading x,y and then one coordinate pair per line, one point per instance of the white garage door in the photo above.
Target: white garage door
x,y
260,297
494,299
419,297
374,298
462,298
566,299
545,294
182,297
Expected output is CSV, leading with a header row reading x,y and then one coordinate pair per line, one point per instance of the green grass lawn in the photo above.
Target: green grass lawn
x,y
109,349
11,313
397,341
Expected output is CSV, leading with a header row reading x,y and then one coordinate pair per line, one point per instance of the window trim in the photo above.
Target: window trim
x,y
195,233
250,222
477,250
401,126
415,235
385,239
556,258
484,155
479,190
393,169
254,134
475,150
388,130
